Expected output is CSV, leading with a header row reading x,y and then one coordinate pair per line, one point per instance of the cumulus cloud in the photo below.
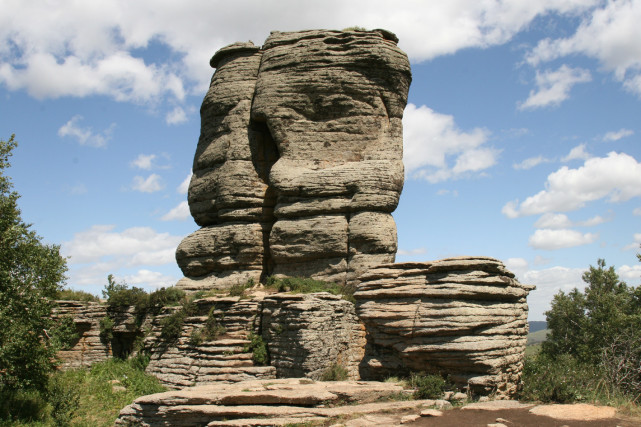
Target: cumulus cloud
x,y
558,221
152,278
630,273
531,162
548,283
183,188
553,87
617,135
176,116
518,266
136,246
435,149
179,213
549,239
151,184
609,34
636,244
86,50
616,176
409,252
144,161
85,135
577,153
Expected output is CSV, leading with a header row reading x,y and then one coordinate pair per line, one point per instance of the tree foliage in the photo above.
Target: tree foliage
x,y
599,327
31,273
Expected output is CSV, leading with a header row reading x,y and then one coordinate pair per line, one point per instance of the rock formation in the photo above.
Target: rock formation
x,y
463,317
299,161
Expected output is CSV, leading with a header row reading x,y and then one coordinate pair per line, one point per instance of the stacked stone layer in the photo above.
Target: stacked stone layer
x,y
465,317
299,161
308,333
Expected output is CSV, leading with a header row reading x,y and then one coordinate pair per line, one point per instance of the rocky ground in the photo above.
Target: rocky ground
x,y
302,401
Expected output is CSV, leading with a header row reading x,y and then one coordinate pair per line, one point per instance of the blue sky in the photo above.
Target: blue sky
x,y
522,134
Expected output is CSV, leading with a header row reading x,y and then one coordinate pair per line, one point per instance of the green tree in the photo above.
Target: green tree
x,y
31,274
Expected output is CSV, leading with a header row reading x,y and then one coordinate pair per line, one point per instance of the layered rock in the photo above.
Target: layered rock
x,y
299,161
261,403
182,362
308,333
88,348
462,317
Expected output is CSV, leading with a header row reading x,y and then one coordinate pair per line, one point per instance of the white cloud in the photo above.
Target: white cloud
x,y
432,142
85,136
180,213
151,184
408,252
518,266
131,247
558,221
531,162
553,87
548,283
628,273
617,176
577,153
86,50
144,161
176,116
444,192
550,240
540,260
610,34
183,188
150,278
617,135
637,211
636,244
78,189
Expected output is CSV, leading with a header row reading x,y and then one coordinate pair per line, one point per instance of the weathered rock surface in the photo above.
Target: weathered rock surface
x,y
273,402
88,348
299,161
183,362
463,317
308,333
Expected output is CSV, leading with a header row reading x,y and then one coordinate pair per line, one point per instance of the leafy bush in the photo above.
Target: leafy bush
x,y
258,348
562,379
335,372
301,285
239,289
73,295
64,333
106,329
171,325
427,386
210,331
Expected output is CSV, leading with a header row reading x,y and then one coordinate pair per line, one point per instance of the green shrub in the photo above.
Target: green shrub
x,y
427,386
300,285
73,295
562,379
335,372
239,289
210,331
258,348
164,297
106,329
171,325
64,333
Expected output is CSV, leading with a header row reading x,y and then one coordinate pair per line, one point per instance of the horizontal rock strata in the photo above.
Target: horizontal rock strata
x,y
88,348
182,363
462,317
308,333
299,161
273,402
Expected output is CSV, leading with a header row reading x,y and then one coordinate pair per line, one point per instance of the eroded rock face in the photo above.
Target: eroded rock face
x,y
463,317
299,161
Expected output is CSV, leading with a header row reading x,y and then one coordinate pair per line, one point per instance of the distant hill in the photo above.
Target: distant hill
x,y
537,325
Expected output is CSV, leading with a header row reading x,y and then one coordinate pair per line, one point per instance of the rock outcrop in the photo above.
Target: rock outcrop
x,y
299,161
308,333
463,317
262,403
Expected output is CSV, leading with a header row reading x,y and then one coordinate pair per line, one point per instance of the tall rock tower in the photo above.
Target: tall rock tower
x,y
299,162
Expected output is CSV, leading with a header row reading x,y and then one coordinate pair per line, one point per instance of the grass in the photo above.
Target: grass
x,y
335,372
300,285
85,397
